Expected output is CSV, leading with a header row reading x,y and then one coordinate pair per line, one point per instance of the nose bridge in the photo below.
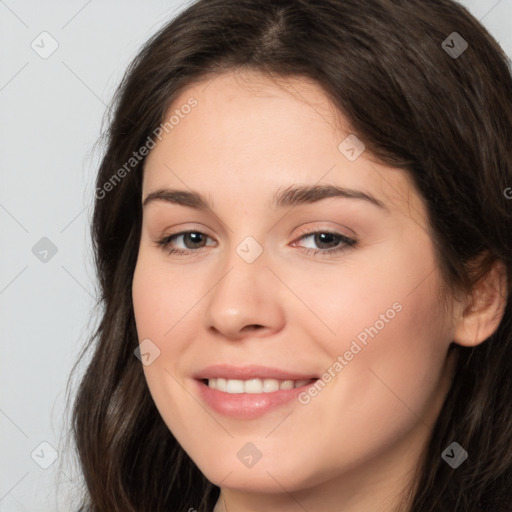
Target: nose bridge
x,y
245,294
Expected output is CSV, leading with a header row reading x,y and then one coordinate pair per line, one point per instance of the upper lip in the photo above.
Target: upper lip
x,y
250,372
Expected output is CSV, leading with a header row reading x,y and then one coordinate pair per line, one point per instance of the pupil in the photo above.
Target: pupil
x,y
321,238
193,236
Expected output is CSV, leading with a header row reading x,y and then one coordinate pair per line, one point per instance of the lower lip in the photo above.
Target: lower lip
x,y
246,406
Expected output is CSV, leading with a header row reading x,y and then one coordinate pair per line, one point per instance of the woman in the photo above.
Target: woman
x,y
302,239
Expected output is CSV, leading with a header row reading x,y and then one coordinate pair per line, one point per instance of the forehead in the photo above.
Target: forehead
x,y
257,133
248,110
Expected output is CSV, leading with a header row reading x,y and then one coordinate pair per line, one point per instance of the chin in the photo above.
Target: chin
x,y
270,477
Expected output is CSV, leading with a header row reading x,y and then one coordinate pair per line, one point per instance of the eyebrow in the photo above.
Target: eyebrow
x,y
290,196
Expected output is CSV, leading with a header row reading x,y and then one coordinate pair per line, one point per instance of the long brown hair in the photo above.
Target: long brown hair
x,y
445,118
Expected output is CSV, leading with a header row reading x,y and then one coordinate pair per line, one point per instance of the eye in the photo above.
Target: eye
x,y
336,242
192,240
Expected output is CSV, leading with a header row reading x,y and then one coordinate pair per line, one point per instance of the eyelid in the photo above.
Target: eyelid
x,y
315,229
191,227
302,231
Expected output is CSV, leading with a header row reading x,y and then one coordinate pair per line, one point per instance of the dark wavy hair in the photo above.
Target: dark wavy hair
x,y
444,118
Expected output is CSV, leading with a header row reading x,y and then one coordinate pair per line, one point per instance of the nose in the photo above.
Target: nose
x,y
246,301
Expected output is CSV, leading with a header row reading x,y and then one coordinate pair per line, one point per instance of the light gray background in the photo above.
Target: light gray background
x,y
51,117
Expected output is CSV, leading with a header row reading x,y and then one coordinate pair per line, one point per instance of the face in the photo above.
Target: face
x,y
291,325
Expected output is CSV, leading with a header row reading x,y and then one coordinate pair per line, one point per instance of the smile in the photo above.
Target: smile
x,y
254,386
248,392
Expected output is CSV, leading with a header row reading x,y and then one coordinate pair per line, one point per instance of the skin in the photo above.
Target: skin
x,y
356,444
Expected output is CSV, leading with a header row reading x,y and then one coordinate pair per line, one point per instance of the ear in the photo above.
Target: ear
x,y
481,315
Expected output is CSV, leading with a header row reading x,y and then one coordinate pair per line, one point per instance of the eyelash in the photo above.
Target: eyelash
x,y
348,243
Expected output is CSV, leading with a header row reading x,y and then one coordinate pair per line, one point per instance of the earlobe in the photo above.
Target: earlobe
x,y
481,317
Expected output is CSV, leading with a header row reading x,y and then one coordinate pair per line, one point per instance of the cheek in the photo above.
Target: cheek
x,y
397,348
164,307
160,302
388,339
157,313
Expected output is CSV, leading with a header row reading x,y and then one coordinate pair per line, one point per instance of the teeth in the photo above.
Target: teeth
x,y
270,385
235,386
252,386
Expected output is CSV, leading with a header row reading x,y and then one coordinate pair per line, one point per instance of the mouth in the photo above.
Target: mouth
x,y
249,392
